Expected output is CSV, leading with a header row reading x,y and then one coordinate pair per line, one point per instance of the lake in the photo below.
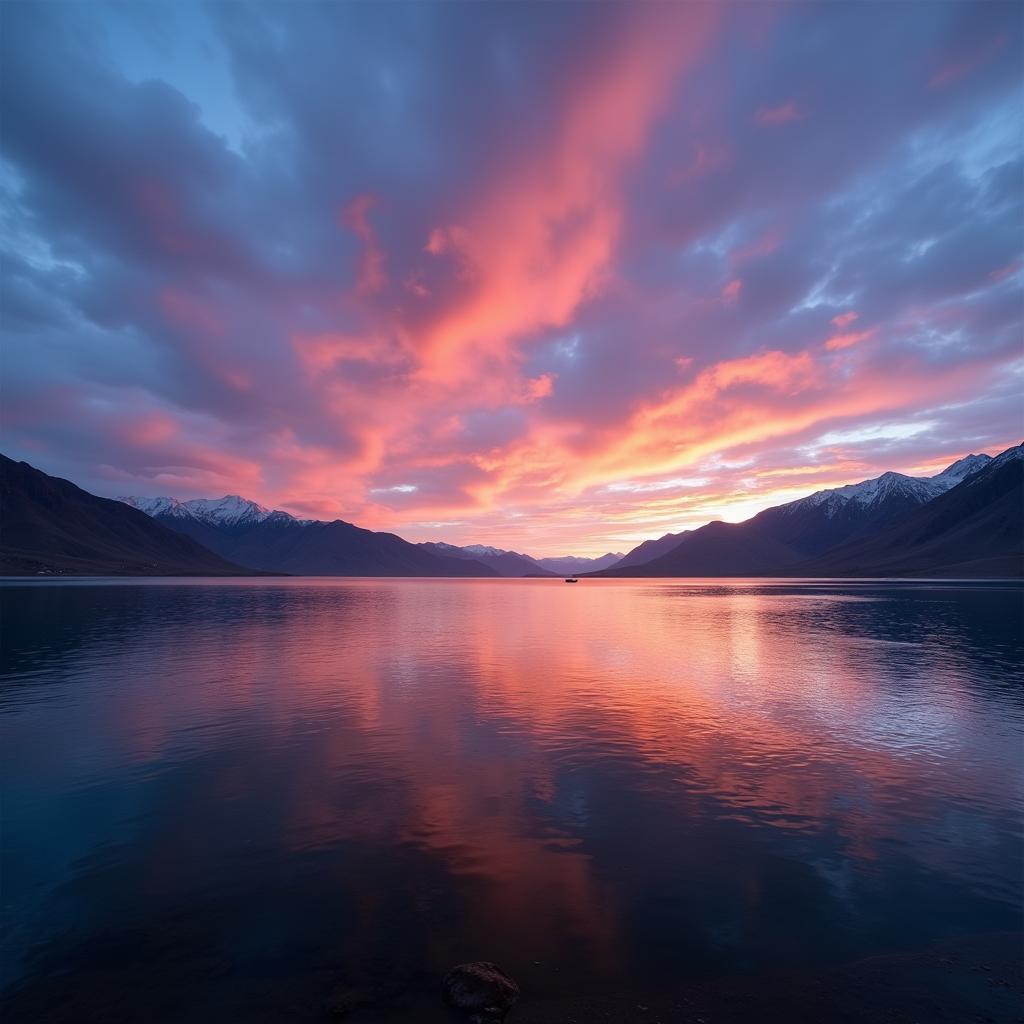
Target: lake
x,y
222,799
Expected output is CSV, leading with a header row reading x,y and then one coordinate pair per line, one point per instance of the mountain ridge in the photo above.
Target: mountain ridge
x,y
565,564
53,527
972,528
783,541
275,541
966,519
824,519
510,564
234,510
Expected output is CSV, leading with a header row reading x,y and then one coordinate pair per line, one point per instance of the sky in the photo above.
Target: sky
x,y
554,277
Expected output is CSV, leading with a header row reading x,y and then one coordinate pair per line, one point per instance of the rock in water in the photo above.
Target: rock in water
x,y
482,990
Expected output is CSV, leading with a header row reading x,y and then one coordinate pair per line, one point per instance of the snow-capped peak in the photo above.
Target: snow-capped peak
x,y
963,468
157,506
231,510
1016,452
477,550
871,492
894,485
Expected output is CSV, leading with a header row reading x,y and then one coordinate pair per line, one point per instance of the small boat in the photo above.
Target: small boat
x,y
571,579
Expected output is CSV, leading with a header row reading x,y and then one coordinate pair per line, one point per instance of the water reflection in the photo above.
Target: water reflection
x,y
232,789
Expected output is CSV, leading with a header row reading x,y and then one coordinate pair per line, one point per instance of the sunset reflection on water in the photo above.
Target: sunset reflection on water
x,y
606,784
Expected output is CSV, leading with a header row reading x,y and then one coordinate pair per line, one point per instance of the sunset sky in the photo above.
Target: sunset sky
x,y
552,277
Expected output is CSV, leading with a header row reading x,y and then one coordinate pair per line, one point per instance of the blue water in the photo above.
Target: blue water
x,y
222,798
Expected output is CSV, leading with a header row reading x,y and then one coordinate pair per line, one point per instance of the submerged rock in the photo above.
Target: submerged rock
x,y
482,990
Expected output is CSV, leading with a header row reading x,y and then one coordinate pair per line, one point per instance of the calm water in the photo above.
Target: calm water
x,y
222,798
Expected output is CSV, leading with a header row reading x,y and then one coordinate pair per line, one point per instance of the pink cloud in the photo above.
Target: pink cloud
x,y
191,313
152,429
958,68
324,350
763,245
845,340
708,158
540,239
1004,272
540,387
551,316
356,216
782,114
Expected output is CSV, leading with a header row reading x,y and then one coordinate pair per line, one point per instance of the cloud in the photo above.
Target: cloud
x,y
522,270
782,114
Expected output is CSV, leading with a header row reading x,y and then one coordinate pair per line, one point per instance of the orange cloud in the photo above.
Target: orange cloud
x,y
539,239
770,398
840,341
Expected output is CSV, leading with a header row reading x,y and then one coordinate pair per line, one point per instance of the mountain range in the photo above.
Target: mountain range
x,y
565,565
972,529
50,526
967,520
513,563
271,540
650,549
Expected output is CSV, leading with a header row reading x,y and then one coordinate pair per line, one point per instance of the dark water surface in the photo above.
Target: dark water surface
x,y
222,798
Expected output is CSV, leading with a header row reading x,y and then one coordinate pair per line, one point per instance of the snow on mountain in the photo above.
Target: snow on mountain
x,y
476,550
1016,452
963,468
228,511
504,563
231,510
891,486
483,549
157,506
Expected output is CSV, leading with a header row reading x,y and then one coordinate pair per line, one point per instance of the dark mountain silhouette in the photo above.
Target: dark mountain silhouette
x,y
717,549
49,526
280,543
826,519
504,563
517,564
564,565
650,549
810,526
967,521
975,529
971,525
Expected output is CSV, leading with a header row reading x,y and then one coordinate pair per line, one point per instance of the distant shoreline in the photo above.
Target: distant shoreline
x,y
255,576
